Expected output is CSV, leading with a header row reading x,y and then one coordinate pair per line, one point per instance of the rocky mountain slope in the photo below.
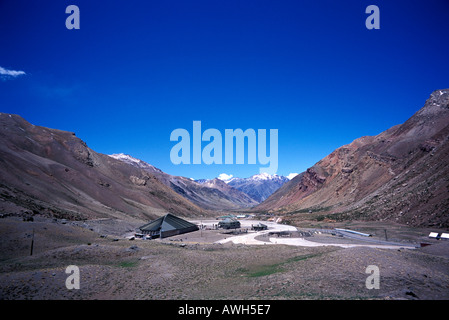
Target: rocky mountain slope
x,y
54,173
400,175
208,194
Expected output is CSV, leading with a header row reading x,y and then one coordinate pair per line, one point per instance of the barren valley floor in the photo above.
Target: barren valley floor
x,y
195,266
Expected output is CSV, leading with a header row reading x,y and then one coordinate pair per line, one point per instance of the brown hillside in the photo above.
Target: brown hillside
x,y
52,172
401,175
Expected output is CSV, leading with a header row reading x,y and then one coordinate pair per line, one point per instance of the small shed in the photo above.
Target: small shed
x,y
259,227
167,226
229,223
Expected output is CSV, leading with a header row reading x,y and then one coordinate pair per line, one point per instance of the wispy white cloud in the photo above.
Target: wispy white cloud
x,y
224,176
291,176
6,74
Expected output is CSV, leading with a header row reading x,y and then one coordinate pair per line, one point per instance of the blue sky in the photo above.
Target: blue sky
x,y
137,70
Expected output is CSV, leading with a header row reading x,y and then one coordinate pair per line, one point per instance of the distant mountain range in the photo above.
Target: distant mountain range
x,y
258,187
400,175
215,194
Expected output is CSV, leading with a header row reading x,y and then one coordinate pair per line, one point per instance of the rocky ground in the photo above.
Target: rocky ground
x,y
113,267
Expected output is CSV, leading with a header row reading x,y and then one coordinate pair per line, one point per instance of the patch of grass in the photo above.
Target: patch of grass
x,y
312,210
266,270
304,257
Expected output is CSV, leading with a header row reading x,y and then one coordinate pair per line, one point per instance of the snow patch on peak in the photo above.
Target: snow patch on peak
x,y
134,161
124,157
264,176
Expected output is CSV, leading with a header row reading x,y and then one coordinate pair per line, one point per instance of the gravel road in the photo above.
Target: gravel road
x,y
249,238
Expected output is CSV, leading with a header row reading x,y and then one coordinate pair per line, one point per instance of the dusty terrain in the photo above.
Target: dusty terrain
x,y
194,266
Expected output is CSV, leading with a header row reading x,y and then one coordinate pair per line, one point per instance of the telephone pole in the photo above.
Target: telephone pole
x,y
32,243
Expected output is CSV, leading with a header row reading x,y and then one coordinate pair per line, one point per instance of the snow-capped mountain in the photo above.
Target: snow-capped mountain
x,y
265,176
135,162
259,186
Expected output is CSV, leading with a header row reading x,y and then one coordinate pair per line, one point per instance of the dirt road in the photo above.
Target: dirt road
x,y
250,238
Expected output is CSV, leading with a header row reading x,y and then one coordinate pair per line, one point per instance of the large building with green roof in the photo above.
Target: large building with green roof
x,y
167,226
